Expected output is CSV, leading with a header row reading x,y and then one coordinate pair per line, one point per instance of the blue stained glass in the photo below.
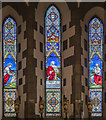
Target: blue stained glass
x,y
96,65
9,66
53,59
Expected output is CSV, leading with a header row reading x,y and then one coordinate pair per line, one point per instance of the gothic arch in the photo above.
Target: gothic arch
x,y
40,13
8,11
95,12
96,59
9,49
39,19
53,61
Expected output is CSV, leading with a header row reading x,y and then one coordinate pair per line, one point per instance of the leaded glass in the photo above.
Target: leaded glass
x,y
53,62
9,66
96,65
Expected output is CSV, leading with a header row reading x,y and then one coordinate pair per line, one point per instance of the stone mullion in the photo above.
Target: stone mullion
x,y
30,77
76,90
78,72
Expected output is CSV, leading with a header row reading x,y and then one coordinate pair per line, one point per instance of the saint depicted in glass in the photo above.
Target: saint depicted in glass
x,y
53,62
9,66
96,65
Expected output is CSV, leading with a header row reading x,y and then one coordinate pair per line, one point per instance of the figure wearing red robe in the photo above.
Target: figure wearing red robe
x,y
50,73
7,73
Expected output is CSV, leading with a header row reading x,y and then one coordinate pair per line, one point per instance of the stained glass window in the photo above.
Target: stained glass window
x,y
53,62
9,66
96,65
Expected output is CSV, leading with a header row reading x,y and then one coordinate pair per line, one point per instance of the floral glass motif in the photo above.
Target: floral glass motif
x,y
9,66
53,62
96,65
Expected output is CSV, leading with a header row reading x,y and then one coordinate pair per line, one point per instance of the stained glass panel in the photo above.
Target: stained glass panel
x,y
9,98
95,65
9,66
53,62
53,102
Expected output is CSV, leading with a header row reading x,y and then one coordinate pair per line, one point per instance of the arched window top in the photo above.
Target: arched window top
x,y
9,19
52,16
52,25
95,19
96,26
96,37
9,25
9,37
